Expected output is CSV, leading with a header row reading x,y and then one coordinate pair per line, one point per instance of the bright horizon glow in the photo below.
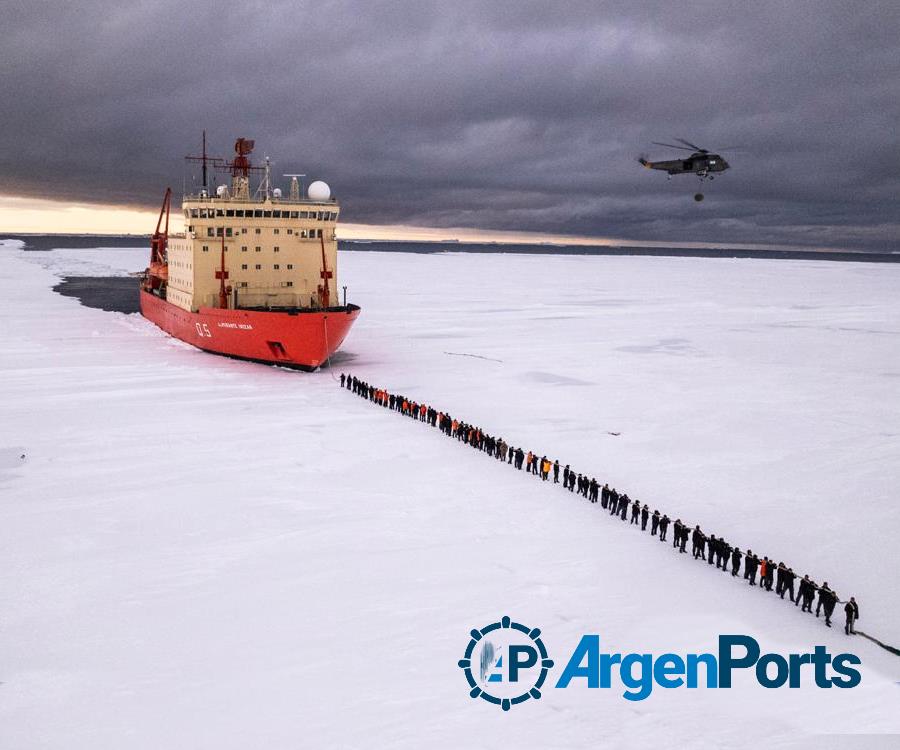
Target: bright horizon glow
x,y
40,216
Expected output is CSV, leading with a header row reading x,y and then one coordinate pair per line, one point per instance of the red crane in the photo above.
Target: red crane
x,y
158,272
324,274
221,275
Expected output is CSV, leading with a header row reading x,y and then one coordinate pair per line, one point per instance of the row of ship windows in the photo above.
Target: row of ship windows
x,y
276,266
244,284
240,213
257,249
228,232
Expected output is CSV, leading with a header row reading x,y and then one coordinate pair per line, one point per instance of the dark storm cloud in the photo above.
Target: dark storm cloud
x,y
503,115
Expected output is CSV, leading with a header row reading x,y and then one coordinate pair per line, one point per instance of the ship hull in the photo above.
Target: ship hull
x,y
304,339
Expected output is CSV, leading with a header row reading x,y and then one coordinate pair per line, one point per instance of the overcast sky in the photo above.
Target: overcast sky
x,y
497,115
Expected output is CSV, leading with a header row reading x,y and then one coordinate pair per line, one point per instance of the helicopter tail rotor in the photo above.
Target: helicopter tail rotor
x,y
642,160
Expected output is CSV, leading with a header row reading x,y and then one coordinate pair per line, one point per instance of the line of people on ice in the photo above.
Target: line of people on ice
x,y
706,548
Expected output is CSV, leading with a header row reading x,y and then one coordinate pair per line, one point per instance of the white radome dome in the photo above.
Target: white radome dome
x,y
319,191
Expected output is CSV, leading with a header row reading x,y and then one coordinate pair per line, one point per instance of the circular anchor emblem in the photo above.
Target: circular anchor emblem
x,y
505,663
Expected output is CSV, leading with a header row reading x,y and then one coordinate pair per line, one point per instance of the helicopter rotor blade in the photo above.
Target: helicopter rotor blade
x,y
672,145
688,143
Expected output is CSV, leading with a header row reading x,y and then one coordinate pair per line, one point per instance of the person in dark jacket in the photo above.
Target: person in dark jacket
x,y
851,609
788,582
635,512
556,472
343,379
827,600
808,592
645,516
685,533
663,527
751,565
713,546
735,561
624,502
699,541
654,523
723,555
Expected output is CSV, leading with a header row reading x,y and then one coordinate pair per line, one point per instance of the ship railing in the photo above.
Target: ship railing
x,y
213,198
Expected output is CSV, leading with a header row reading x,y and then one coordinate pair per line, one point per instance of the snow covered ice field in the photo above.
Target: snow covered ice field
x,y
203,553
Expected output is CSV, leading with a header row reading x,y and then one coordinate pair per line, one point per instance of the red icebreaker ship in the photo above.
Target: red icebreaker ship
x,y
253,276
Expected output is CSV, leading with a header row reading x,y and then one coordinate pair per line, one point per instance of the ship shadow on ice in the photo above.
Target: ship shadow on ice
x,y
342,357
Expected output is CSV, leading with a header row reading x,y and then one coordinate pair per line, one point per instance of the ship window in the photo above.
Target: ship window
x,y
229,212
228,232
290,266
243,230
258,248
303,234
206,248
276,215
218,231
258,267
257,214
276,231
276,248
243,266
276,267
290,231
195,213
243,248
258,231
267,214
294,214
239,213
304,214
243,283
288,283
210,232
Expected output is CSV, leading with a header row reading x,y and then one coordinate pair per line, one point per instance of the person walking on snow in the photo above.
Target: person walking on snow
x,y
851,609
663,527
735,561
827,600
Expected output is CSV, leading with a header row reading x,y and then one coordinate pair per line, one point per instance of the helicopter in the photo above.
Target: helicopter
x,y
701,163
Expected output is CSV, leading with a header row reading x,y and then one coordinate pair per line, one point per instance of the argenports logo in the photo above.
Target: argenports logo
x,y
505,663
